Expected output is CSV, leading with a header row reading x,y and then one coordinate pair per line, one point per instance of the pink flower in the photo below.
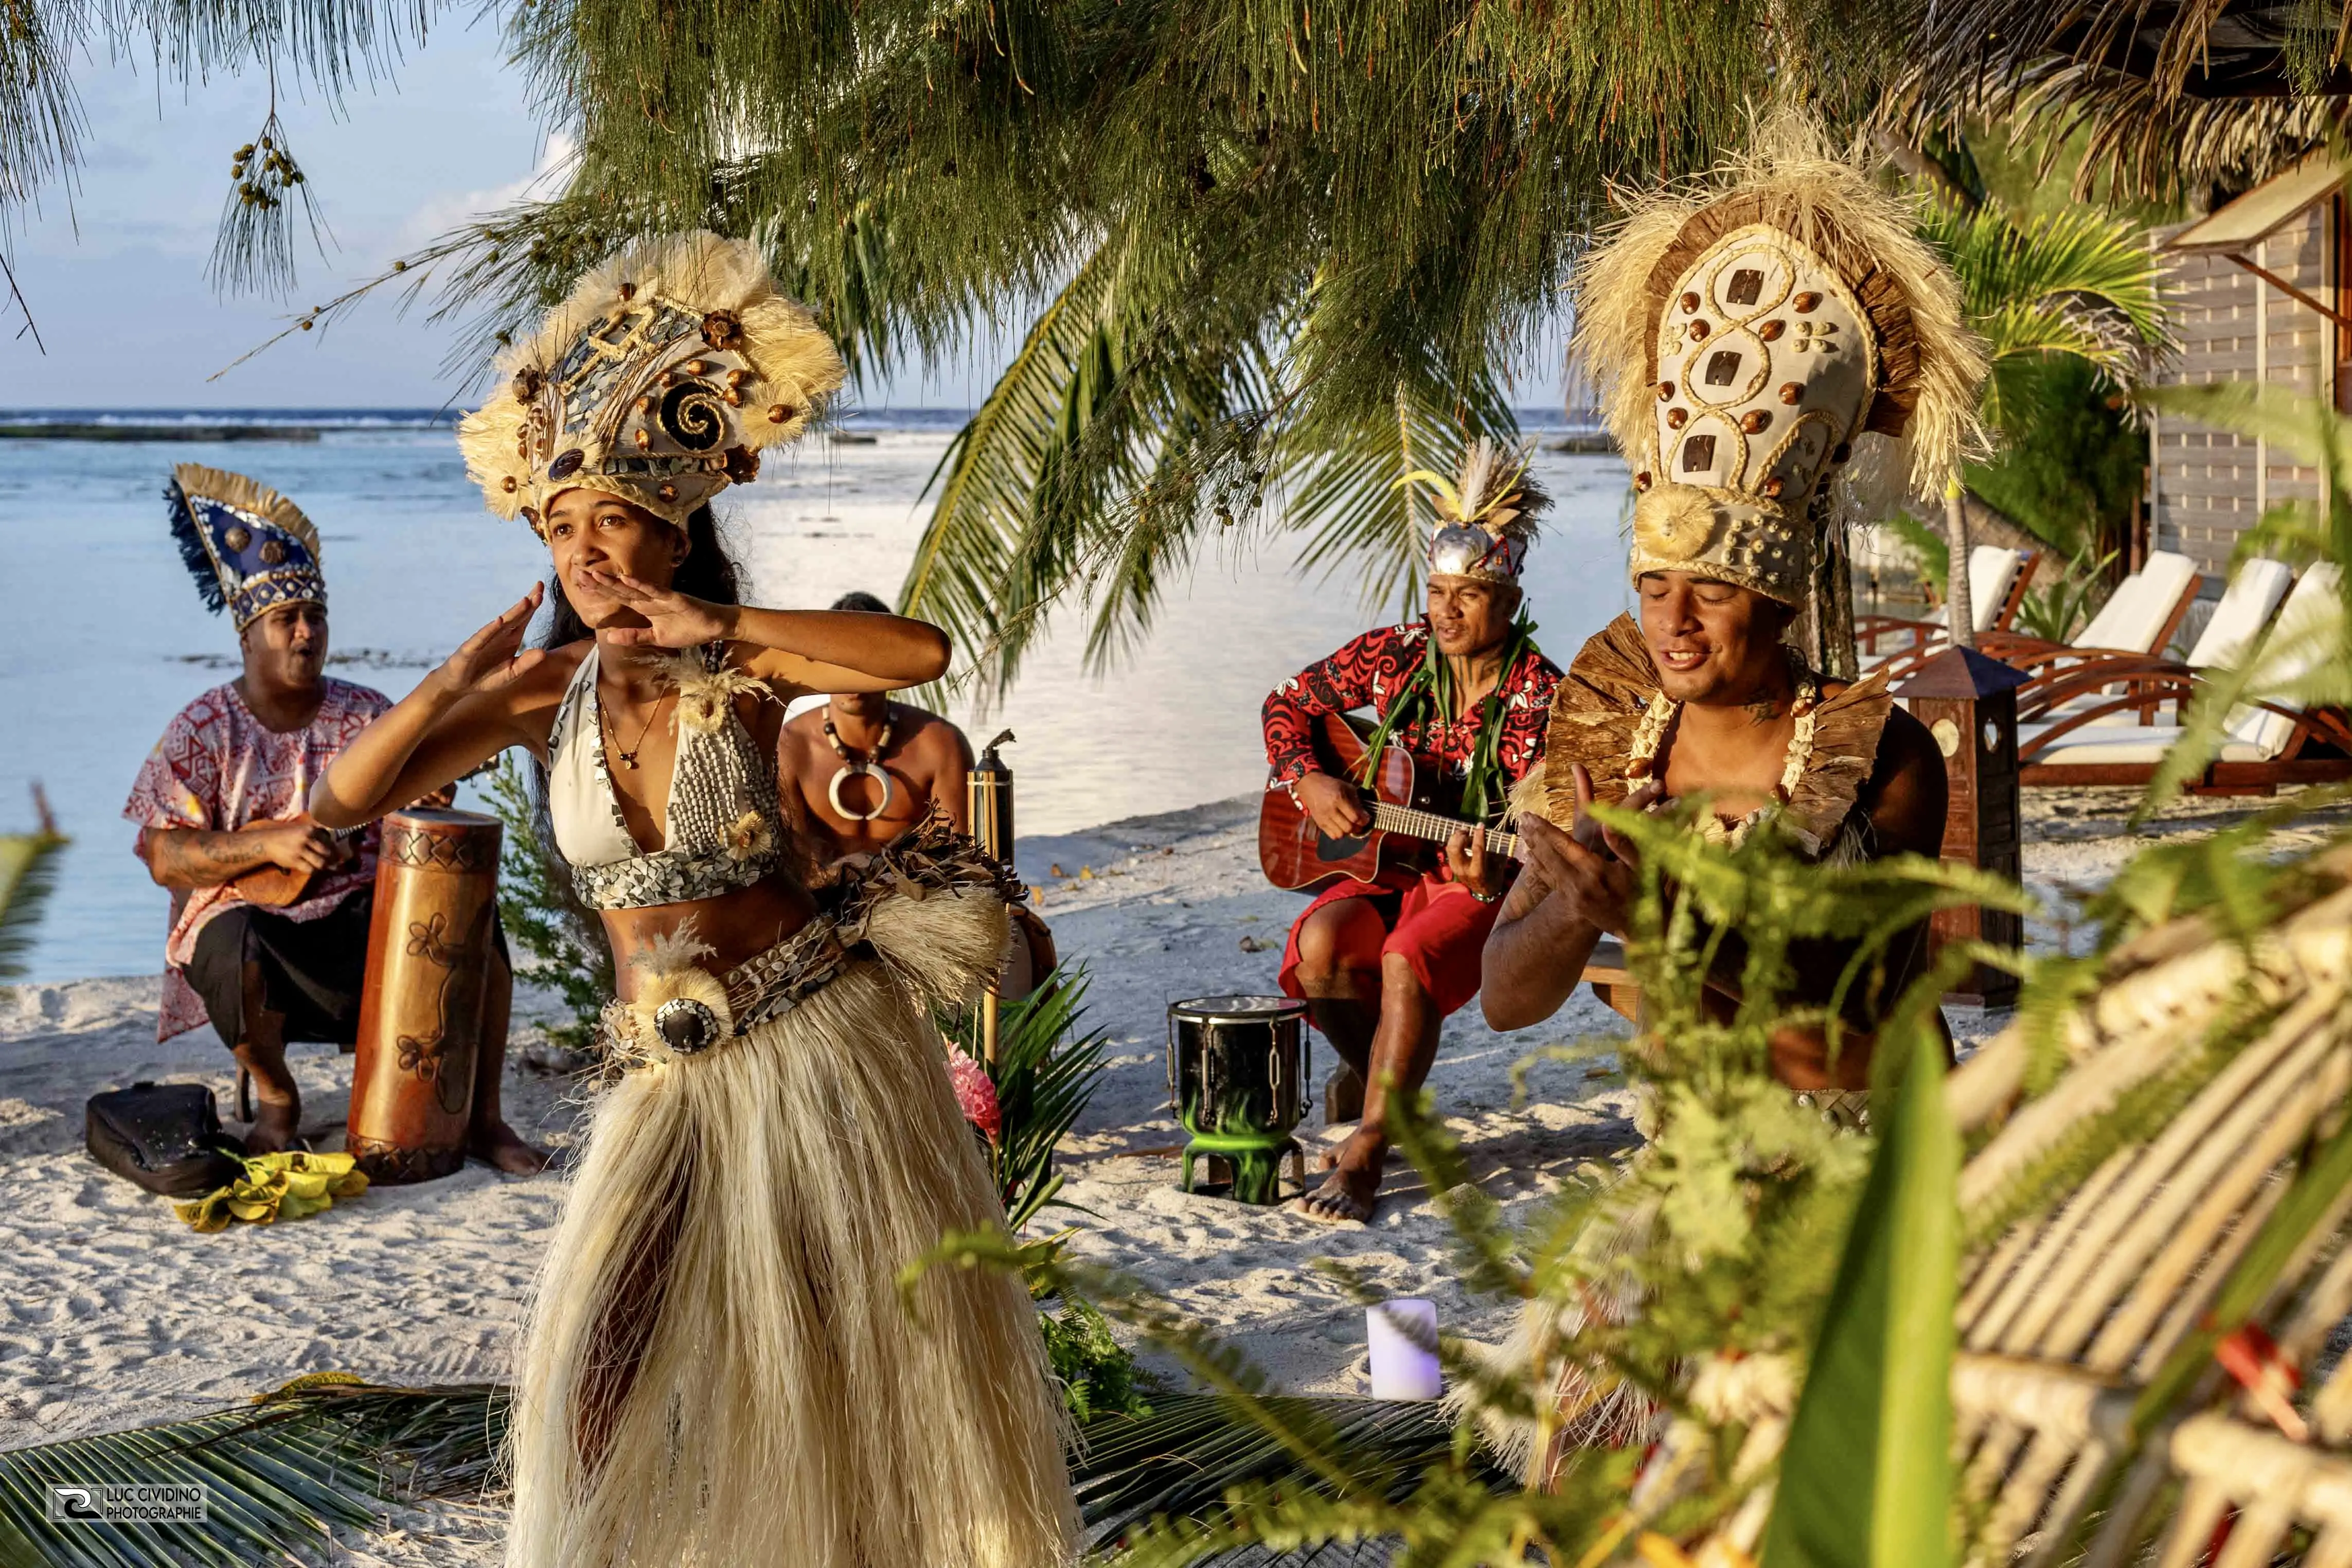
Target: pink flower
x,y
975,1094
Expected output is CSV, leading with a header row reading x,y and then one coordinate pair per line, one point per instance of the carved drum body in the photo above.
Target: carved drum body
x,y
421,1015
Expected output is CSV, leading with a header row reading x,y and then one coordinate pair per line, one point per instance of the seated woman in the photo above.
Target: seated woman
x,y
719,1366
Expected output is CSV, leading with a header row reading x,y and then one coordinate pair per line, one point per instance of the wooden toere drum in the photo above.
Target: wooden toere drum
x,y
436,884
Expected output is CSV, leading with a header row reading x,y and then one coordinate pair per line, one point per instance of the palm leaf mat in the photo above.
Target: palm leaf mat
x,y
318,1454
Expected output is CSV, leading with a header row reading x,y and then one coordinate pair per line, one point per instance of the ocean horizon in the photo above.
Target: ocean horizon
x,y
852,417
107,639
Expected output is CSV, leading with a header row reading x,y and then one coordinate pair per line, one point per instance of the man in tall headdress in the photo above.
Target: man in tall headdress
x,y
222,796
1752,337
1467,692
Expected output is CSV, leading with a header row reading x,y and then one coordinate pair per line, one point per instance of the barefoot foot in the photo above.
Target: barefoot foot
x,y
1348,1195
501,1146
274,1125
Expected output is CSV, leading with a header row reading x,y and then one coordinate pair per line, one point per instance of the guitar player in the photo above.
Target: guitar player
x,y
1467,692
213,803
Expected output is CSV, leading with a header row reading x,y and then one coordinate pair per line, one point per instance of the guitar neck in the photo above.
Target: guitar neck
x,y
1437,828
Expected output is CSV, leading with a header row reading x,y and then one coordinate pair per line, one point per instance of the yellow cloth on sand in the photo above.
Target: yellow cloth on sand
x,y
276,1186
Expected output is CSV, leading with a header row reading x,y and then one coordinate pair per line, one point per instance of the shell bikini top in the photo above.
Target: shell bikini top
x,y
719,824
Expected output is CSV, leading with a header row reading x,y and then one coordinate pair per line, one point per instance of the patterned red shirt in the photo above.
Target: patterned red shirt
x,y
217,768
1370,672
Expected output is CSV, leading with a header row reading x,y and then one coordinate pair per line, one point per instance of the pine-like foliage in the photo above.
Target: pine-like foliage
x,y
543,916
1262,260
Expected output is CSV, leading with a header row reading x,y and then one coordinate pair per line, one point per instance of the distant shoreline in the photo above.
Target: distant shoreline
x,y
96,432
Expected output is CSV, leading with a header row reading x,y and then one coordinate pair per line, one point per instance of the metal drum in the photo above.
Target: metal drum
x,y
1237,1071
437,885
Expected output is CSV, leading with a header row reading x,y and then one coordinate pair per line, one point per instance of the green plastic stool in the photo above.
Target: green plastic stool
x,y
1258,1163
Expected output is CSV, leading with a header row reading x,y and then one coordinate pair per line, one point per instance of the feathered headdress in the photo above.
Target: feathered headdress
x,y
1747,332
659,380
1486,515
248,548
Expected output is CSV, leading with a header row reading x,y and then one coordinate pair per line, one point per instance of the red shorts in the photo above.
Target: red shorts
x,y
1435,926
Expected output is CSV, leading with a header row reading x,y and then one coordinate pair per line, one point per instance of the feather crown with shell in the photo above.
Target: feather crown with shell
x,y
1751,334
1486,514
659,380
248,548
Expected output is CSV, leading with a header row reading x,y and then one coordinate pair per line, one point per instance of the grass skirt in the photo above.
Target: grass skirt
x,y
720,1371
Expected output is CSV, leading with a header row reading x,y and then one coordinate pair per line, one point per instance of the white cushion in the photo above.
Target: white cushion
x,y
1992,572
2246,607
2134,615
2132,744
2305,636
2308,631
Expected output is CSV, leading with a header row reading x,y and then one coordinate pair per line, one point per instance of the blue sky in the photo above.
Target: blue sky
x,y
114,268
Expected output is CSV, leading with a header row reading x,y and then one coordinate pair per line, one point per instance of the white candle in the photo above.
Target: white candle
x,y
1403,1336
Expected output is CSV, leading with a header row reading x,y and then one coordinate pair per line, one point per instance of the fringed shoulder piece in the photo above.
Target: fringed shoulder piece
x,y
1594,711
1847,729
1610,690
706,686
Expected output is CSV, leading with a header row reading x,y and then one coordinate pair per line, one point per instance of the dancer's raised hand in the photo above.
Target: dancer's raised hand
x,y
672,619
493,657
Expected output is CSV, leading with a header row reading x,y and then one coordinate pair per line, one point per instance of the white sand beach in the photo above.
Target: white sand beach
x,y
112,1313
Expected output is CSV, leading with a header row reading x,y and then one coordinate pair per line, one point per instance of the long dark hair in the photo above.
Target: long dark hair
x,y
707,573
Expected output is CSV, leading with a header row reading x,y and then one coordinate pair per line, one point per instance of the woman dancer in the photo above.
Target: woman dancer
x,y
719,1368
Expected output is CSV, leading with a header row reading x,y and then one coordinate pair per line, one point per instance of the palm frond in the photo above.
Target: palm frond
x,y
277,1475
1046,1070
29,863
1354,504
966,574
1184,1458
2074,283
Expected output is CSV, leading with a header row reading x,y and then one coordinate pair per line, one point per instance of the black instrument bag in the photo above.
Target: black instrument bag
x,y
165,1137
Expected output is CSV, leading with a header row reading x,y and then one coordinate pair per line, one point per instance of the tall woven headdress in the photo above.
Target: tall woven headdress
x,y
1486,514
1747,333
248,548
659,380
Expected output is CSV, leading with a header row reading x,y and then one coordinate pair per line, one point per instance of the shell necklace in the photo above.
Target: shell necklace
x,y
1650,735
852,764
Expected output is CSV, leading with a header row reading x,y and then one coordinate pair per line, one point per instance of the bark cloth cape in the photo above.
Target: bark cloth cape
x,y
1609,714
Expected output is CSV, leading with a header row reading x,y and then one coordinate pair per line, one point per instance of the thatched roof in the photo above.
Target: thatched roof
x,y
2176,98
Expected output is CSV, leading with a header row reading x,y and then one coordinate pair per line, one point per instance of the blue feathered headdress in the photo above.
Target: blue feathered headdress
x,y
248,548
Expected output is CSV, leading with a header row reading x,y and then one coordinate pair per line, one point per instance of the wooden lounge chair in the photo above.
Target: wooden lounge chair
x,y
2139,618
2100,690
2268,744
1998,578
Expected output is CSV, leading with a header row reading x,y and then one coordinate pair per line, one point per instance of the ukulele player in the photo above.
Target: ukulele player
x,y
1465,694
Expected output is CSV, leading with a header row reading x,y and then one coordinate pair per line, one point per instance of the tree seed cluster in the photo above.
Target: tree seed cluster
x,y
264,184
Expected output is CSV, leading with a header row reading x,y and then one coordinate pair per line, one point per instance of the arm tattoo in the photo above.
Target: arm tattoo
x,y
202,858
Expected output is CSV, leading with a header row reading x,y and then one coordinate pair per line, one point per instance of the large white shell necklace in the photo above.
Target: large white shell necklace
x,y
1650,736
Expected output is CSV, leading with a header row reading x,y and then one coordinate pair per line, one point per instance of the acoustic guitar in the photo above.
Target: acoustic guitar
x,y
273,887
1410,816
